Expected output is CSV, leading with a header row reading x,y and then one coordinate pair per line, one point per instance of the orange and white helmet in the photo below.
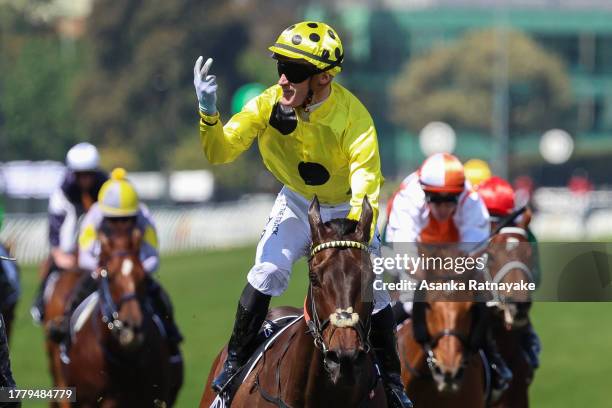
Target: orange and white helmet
x,y
442,173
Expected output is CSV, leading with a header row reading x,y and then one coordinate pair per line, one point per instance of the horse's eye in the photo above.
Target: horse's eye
x,y
314,279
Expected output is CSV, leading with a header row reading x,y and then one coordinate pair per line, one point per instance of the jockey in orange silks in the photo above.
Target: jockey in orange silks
x,y
437,205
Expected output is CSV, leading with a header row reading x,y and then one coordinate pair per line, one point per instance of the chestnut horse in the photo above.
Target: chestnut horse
x,y
441,366
118,356
325,358
509,261
57,293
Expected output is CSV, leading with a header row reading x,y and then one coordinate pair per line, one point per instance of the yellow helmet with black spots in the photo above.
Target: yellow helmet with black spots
x,y
314,42
117,197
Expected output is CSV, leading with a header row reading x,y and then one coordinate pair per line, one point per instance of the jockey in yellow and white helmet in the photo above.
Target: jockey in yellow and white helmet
x,y
477,171
119,207
315,137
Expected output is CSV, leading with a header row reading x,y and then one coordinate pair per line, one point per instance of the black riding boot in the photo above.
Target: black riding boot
x,y
501,375
531,345
384,344
162,306
251,313
399,313
59,330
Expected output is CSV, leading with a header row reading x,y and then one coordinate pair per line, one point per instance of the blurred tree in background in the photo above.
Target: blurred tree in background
x,y
456,84
127,84
138,93
36,116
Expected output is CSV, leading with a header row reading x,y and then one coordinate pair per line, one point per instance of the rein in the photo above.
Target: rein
x,y
508,266
504,223
108,307
110,310
342,317
316,326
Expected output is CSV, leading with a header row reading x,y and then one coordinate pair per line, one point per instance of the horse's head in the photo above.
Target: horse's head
x,y
121,284
510,261
341,278
447,322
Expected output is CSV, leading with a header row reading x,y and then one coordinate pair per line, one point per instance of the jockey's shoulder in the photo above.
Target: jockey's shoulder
x,y
410,191
145,217
346,102
410,180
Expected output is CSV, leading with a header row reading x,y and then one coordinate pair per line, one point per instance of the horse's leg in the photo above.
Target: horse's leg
x,y
176,381
53,309
209,395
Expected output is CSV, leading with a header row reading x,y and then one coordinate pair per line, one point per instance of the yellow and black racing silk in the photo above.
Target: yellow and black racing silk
x,y
333,154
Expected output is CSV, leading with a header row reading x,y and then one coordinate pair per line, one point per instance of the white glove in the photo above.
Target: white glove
x,y
205,86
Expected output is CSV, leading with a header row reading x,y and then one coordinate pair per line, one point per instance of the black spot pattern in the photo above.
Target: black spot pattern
x,y
297,39
314,37
337,53
331,34
325,54
313,174
284,122
313,25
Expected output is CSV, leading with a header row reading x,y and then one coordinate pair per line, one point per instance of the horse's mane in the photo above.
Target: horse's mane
x,y
342,226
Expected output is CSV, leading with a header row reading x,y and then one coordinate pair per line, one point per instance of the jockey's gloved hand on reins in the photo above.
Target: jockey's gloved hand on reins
x,y
205,86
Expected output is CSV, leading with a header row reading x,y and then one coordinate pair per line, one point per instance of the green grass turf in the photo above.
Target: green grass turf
x,y
205,286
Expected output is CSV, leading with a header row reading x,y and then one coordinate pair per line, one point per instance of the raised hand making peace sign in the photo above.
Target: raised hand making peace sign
x,y
205,86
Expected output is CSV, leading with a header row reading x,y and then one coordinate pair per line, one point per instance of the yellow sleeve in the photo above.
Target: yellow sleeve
x,y
223,144
87,237
150,237
361,145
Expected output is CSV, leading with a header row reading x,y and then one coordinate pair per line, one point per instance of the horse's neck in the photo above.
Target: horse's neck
x,y
310,384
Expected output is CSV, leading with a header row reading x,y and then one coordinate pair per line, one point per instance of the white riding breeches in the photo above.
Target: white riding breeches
x,y
286,238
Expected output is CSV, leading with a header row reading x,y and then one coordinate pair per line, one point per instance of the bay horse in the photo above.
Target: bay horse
x,y
509,261
324,359
441,366
118,356
9,288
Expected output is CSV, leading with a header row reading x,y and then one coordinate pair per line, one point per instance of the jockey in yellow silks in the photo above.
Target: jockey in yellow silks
x,y
118,206
315,137
437,205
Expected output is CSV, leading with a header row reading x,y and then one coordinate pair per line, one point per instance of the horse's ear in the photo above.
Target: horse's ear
x,y
314,219
362,231
136,238
525,219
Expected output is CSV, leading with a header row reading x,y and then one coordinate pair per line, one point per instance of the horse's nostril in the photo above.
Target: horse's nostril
x,y
459,373
333,356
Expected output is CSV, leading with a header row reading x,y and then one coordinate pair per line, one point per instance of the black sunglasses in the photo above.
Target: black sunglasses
x,y
295,73
441,198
